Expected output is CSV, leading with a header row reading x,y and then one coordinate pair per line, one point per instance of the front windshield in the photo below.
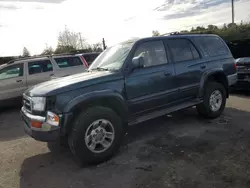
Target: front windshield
x,y
112,58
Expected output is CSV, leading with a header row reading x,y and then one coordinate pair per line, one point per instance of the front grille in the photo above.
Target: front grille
x,y
27,103
243,76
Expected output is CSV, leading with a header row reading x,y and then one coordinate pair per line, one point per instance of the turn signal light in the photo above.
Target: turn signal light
x,y
52,119
36,124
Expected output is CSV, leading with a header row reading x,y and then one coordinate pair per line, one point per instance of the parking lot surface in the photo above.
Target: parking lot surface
x,y
178,150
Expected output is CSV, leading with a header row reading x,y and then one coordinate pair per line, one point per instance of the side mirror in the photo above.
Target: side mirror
x,y
138,62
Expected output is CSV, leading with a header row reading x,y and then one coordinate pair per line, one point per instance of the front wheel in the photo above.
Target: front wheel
x,y
96,135
214,100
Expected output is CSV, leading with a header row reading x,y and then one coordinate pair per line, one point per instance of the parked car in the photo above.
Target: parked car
x,y
90,57
243,70
18,75
129,83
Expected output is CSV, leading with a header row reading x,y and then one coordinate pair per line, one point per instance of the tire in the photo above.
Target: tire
x,y
207,110
83,125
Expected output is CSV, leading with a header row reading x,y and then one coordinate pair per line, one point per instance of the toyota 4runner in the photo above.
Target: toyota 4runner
x,y
129,83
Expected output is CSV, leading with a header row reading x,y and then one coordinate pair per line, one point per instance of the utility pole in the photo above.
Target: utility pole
x,y
103,44
81,39
233,11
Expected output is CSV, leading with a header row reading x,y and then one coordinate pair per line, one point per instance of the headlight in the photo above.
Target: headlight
x,y
38,103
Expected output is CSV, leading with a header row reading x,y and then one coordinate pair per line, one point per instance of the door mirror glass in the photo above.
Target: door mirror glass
x,y
138,62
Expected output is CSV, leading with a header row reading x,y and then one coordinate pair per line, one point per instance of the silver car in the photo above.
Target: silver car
x,y
16,76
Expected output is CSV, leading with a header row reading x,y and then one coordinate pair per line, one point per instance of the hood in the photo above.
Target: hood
x,y
72,82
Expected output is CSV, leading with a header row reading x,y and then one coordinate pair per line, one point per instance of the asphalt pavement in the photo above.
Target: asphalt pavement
x,y
178,150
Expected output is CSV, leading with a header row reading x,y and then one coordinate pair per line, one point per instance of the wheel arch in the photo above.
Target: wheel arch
x,y
105,98
216,75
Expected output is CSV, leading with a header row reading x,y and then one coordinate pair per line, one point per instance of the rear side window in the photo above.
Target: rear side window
x,y
36,67
182,50
213,46
12,71
64,62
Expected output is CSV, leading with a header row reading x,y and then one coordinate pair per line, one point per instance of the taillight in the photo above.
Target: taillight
x,y
84,61
235,65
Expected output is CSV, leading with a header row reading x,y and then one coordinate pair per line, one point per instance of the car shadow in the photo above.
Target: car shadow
x,y
10,123
141,146
241,93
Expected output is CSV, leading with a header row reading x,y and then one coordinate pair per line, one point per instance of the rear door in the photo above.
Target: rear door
x,y
12,81
68,65
189,66
39,71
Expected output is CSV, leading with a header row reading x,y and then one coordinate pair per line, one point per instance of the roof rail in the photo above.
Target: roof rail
x,y
179,33
68,53
41,56
25,58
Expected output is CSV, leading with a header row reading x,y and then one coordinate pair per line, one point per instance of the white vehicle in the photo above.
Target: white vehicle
x,y
18,75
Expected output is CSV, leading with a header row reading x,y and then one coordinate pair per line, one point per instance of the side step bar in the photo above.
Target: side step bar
x,y
163,112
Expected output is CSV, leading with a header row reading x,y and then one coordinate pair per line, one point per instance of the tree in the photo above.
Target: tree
x,y
155,33
70,38
212,27
69,41
64,49
48,51
184,31
26,53
231,25
97,47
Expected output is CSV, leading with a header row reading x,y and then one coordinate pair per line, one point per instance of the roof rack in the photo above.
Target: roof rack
x,y
170,33
179,33
41,56
68,53
25,58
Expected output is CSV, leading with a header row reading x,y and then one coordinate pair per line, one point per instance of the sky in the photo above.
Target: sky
x,y
37,23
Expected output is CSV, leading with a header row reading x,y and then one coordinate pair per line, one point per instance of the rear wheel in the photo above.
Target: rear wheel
x,y
96,135
214,100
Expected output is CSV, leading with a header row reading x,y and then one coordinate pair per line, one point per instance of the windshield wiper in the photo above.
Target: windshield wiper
x,y
101,68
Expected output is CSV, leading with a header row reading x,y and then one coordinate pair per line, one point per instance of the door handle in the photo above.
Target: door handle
x,y
19,80
203,66
52,75
167,73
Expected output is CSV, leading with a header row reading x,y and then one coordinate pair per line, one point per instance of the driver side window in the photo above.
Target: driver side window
x,y
153,53
12,71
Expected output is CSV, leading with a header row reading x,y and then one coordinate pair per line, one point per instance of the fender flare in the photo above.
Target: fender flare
x,y
91,97
205,78
94,95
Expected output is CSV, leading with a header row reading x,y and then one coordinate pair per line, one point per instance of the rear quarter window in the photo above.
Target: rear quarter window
x,y
213,46
64,62
90,58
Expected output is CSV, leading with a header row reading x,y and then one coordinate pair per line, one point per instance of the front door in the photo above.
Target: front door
x,y
12,81
153,85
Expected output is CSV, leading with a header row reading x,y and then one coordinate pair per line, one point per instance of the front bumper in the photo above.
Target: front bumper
x,y
45,133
